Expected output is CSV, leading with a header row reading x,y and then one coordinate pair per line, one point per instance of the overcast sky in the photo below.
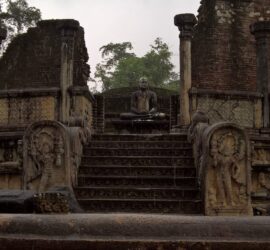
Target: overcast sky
x,y
137,21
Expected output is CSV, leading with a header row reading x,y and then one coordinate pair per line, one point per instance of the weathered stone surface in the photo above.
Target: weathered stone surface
x,y
16,201
133,231
261,31
23,111
222,158
185,23
227,170
223,50
240,107
240,112
33,60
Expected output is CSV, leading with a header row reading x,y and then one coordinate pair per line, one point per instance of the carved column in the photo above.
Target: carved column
x,y
185,24
68,31
261,31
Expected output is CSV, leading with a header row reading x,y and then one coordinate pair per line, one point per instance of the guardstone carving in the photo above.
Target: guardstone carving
x,y
46,152
226,170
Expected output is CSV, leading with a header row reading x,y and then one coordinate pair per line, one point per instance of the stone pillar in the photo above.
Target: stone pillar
x,y
185,24
261,31
68,31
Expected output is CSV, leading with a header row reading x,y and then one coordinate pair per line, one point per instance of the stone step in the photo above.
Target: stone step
x,y
140,137
137,193
93,151
138,161
142,205
131,181
139,144
137,171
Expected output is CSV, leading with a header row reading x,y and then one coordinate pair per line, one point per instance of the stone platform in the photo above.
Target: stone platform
x,y
132,231
141,126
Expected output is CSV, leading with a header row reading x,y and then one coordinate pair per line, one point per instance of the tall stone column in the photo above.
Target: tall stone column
x,y
68,32
261,31
185,24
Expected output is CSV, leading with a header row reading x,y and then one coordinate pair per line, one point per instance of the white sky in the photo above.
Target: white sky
x,y
137,21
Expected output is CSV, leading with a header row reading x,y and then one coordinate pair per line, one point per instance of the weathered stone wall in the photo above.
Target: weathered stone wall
x,y
33,59
239,107
43,76
223,50
22,111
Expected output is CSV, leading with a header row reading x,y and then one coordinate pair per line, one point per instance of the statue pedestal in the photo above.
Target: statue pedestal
x,y
141,126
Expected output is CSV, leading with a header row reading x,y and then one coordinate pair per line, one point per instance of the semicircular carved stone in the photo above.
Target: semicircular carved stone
x,y
46,157
226,170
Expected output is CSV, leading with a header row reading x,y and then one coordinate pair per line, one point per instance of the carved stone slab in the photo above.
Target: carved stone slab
x,y
226,170
46,156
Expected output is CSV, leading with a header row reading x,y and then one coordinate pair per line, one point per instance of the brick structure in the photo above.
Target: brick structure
x,y
223,49
43,76
28,61
224,61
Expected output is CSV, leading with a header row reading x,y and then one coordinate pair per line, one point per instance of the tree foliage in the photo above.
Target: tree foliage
x,y
112,54
16,16
122,68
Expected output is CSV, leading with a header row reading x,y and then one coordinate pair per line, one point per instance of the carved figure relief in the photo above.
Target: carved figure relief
x,y
261,184
45,152
261,155
10,156
227,177
227,151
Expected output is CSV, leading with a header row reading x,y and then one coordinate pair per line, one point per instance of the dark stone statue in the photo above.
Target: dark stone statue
x,y
143,104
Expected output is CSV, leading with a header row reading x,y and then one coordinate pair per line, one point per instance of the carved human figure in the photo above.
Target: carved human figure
x,y
225,154
143,103
46,150
47,159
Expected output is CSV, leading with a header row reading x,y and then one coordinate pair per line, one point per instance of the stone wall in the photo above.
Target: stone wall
x,y
223,50
33,59
43,76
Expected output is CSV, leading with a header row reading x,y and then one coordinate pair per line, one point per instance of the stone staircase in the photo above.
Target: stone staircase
x,y
138,173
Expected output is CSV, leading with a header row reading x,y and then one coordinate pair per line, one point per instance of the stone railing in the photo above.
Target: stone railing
x,y
222,158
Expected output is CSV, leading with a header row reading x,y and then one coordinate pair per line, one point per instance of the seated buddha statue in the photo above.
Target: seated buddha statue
x,y
143,104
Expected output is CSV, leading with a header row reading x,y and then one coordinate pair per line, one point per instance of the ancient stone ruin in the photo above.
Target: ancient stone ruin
x,y
108,171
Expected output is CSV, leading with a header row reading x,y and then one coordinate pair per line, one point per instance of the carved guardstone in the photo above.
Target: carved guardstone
x,y
226,170
46,157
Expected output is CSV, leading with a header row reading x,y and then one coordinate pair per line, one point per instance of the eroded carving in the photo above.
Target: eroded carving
x,y
227,152
47,203
240,112
46,152
222,159
226,170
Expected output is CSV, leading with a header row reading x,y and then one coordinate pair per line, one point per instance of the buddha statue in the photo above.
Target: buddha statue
x,y
143,104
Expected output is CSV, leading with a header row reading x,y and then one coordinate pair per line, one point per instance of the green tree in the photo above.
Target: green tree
x,y
16,16
158,64
111,54
121,68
